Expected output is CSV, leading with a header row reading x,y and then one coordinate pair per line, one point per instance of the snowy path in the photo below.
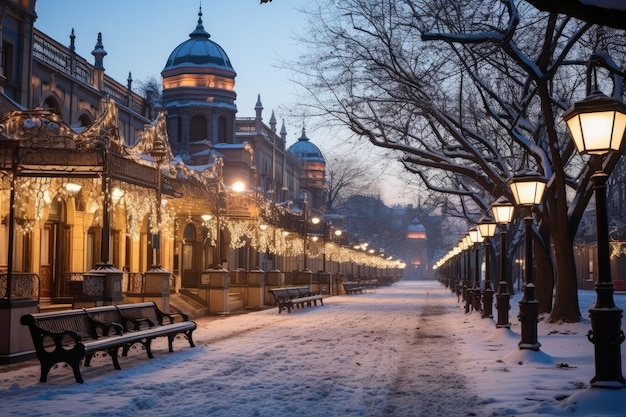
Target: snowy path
x,y
389,352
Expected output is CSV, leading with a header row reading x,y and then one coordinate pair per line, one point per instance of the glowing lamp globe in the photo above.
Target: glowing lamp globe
x,y
597,124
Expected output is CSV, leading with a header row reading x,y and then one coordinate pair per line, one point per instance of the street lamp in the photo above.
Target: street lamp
x,y
465,243
528,188
503,214
475,238
158,152
487,228
597,125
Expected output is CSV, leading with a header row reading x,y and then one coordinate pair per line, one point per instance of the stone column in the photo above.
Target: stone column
x,y
274,279
256,288
214,288
157,287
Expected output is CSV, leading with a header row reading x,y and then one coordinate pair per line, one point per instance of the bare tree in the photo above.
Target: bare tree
x,y
468,93
347,176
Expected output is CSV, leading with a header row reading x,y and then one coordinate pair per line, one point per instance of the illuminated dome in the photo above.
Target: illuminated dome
x,y
306,151
198,51
199,94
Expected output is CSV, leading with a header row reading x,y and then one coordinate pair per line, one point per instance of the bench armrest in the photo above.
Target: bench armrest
x,y
172,316
56,337
135,324
106,328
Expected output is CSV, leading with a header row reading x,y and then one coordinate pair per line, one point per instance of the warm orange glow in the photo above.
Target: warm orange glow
x,y
199,80
416,235
417,262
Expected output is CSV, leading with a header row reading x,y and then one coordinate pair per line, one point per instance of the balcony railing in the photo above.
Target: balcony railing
x,y
24,285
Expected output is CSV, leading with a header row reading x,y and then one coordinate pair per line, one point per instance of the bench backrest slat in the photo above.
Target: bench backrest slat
x,y
141,311
58,322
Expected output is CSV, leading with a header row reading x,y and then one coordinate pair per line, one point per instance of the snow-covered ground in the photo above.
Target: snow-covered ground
x,y
405,350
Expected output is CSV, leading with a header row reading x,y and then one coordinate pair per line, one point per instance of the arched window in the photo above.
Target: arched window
x,y
51,104
189,234
84,120
197,129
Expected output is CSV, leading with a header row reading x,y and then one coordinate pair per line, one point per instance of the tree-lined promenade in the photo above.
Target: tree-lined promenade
x,y
469,95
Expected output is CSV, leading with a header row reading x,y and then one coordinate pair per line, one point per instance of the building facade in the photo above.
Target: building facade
x,y
106,197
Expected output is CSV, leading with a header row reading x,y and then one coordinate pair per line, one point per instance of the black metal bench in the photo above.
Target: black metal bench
x,y
290,297
73,335
143,316
353,287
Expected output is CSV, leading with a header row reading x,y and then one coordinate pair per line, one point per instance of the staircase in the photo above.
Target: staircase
x,y
189,303
49,304
235,302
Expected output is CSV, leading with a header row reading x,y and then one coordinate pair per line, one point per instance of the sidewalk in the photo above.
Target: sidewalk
x,y
405,350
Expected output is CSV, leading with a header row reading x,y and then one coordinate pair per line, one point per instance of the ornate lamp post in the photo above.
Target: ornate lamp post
x,y
158,152
597,125
467,292
487,228
456,269
476,238
528,188
503,214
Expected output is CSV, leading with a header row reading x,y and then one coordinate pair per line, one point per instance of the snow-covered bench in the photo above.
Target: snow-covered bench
x,y
73,335
299,297
353,287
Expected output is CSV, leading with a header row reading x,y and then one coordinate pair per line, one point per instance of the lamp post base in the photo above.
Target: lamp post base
x,y
476,301
607,336
529,317
487,303
503,305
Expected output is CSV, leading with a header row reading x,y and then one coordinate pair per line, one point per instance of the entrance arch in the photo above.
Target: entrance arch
x,y
192,262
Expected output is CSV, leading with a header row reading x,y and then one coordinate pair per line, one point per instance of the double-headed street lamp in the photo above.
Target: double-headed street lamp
x,y
597,125
503,214
528,188
487,228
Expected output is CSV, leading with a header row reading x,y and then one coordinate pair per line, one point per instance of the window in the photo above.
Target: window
x,y
197,129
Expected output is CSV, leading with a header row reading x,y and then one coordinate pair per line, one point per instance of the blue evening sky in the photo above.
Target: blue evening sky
x,y
260,41
139,35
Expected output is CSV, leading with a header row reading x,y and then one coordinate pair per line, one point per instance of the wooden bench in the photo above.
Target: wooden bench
x,y
353,287
73,335
290,297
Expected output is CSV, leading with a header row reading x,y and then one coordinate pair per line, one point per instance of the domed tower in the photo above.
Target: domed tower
x,y
199,94
416,250
313,171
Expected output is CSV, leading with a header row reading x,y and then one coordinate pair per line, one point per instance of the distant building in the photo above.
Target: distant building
x,y
416,256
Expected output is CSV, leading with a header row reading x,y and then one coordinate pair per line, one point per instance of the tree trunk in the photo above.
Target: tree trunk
x,y
566,307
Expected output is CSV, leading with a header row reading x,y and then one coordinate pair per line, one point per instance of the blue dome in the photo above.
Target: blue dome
x,y
306,151
198,51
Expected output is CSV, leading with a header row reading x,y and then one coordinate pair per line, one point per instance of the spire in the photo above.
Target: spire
x,y
72,39
283,131
99,53
199,32
272,119
303,137
258,108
